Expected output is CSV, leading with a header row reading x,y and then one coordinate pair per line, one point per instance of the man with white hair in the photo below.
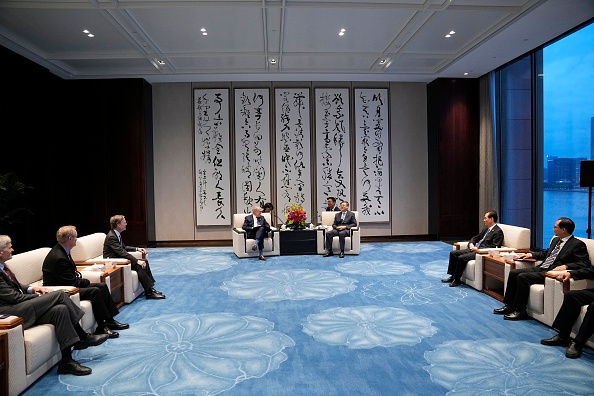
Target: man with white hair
x,y
256,227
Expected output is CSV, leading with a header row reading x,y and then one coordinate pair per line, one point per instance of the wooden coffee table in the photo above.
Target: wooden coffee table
x,y
494,276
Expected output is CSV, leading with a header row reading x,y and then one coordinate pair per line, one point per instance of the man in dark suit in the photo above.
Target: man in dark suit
x,y
490,237
114,247
332,207
40,305
256,227
59,270
569,312
343,222
564,253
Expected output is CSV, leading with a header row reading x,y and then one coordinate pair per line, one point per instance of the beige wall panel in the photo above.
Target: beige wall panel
x,y
409,185
173,161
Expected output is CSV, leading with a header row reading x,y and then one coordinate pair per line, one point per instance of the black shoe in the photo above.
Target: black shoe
x,y
516,315
456,282
328,253
555,340
574,350
449,279
115,325
155,295
91,340
255,247
506,309
106,330
341,255
74,368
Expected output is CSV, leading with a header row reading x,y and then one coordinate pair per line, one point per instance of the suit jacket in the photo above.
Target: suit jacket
x,y
112,248
574,255
248,224
336,208
58,270
493,240
349,220
9,296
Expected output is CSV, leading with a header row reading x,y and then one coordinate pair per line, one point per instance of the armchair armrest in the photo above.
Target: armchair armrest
x,y
70,290
11,322
460,245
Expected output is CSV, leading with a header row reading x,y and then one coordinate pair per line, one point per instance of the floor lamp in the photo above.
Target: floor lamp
x,y
587,180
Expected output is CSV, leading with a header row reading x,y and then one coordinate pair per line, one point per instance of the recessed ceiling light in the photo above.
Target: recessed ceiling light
x,y
342,32
466,73
86,31
204,34
273,61
203,30
161,62
452,32
383,61
448,35
91,35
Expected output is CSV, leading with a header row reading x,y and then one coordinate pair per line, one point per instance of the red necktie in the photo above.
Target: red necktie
x,y
14,280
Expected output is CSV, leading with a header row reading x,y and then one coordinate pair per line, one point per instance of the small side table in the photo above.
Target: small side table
x,y
298,242
116,282
494,276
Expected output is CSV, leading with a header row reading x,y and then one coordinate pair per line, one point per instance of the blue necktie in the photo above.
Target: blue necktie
x,y
483,239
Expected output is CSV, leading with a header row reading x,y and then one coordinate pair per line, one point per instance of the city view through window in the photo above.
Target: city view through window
x,y
568,128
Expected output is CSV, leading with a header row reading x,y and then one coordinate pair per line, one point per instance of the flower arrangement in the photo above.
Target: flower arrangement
x,y
295,216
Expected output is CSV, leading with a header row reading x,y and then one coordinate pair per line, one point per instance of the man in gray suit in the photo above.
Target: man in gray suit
x,y
40,305
343,222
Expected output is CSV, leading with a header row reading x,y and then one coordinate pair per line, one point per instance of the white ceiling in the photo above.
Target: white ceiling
x,y
132,36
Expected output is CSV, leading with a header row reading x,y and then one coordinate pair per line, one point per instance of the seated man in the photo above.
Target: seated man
x,y
256,227
565,252
40,305
343,222
332,207
490,237
114,247
59,270
569,312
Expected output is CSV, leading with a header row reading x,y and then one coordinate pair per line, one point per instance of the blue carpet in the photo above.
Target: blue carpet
x,y
380,323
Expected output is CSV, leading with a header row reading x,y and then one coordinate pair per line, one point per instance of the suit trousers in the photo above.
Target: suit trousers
x,y
518,286
458,261
104,308
55,308
258,233
145,276
569,312
342,234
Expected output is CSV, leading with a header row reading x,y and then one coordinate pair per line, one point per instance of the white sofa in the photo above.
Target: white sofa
x,y
34,351
352,243
89,250
514,238
242,245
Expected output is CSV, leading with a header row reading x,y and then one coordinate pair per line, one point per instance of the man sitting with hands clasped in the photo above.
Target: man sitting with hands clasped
x,y
257,228
565,252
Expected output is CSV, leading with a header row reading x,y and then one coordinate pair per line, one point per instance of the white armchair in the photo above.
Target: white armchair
x,y
242,245
514,238
352,243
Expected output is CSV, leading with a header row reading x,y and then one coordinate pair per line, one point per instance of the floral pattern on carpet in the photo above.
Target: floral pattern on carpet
x,y
418,293
205,354
374,267
368,327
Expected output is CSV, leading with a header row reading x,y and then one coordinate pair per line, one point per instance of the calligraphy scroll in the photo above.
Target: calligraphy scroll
x,y
332,146
372,160
293,169
252,148
211,129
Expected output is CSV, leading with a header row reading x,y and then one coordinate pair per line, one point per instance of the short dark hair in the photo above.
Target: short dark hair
x,y
492,215
332,198
567,223
268,205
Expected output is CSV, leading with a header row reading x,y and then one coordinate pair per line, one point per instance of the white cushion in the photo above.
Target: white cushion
x,y
88,246
27,266
40,346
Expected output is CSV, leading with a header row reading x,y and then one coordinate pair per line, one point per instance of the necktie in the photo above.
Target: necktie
x,y
343,216
549,260
76,273
257,220
483,239
14,280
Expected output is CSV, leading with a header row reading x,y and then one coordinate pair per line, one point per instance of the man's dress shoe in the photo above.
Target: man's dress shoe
x,y
506,309
91,340
328,253
516,315
341,255
262,258
115,325
255,247
555,340
449,279
154,295
106,330
574,350
74,368
456,282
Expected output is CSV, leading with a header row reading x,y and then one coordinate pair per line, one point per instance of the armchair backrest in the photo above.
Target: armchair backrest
x,y
88,247
238,219
328,217
27,266
516,237
590,246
